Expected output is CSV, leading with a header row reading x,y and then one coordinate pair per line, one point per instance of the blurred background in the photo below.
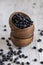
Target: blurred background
x,y
33,8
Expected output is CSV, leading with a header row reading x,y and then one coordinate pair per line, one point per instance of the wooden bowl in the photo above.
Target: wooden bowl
x,y
20,33
21,36
21,42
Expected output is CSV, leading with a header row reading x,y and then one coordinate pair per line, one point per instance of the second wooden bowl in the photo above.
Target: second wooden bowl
x,y
21,42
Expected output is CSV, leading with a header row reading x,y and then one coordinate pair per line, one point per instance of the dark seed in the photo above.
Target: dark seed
x,y
5,30
9,64
19,48
9,53
41,33
38,29
14,52
11,59
39,40
1,49
8,44
9,38
22,63
23,55
3,55
11,50
35,60
4,25
4,58
34,3
26,57
15,59
7,41
19,52
18,62
34,47
10,47
27,63
3,38
40,50
20,56
41,62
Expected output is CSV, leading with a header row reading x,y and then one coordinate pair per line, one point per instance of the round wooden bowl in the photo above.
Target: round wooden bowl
x,y
20,33
21,42
21,36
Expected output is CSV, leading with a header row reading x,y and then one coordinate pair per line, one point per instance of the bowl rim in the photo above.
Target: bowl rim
x,y
10,20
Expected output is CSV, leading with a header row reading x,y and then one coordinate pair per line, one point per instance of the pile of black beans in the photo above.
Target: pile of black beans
x,y
21,21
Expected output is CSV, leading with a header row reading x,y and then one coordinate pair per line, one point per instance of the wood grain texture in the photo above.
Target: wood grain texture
x,y
21,42
21,36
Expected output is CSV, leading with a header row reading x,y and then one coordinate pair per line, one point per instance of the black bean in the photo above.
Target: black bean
x,y
7,41
17,62
39,40
14,52
4,60
40,50
19,52
3,55
19,48
1,49
22,63
11,59
41,33
27,63
15,59
34,47
39,30
8,44
34,3
9,53
9,38
9,64
20,56
25,56
10,48
4,25
5,30
3,38
35,60
41,62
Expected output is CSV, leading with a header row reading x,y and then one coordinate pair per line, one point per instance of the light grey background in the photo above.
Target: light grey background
x,y
33,8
